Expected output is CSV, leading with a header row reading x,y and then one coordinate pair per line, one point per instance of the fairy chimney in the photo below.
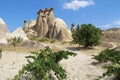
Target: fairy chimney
x,y
26,26
46,11
45,25
49,26
51,17
72,27
39,25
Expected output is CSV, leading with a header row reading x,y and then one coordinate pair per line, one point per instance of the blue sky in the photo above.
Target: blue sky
x,y
101,13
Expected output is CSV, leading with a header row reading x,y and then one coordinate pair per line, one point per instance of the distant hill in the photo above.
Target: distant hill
x,y
111,35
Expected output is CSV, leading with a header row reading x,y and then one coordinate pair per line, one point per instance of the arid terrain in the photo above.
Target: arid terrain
x,y
80,67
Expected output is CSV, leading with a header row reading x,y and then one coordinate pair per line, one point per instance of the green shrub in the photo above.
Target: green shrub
x,y
113,56
106,55
43,40
16,41
43,63
87,35
52,41
0,53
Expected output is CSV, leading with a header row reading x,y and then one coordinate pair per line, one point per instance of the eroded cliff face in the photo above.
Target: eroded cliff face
x,y
3,31
48,26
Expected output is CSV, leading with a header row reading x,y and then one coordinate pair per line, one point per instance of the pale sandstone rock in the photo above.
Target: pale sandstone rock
x,y
48,26
17,33
3,32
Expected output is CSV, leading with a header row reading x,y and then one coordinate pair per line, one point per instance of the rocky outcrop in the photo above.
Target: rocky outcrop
x,y
60,31
3,32
17,33
41,26
28,28
111,35
72,27
49,26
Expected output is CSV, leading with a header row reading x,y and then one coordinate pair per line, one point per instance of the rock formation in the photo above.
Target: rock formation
x,y
60,31
17,33
48,26
3,31
28,28
72,27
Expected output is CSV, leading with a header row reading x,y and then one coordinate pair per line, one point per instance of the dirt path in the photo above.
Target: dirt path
x,y
112,43
80,67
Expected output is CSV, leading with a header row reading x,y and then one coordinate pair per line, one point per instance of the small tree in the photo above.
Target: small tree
x,y
87,35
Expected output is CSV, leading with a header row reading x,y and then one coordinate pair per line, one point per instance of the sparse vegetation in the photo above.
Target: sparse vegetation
x,y
52,41
113,57
87,35
43,40
47,40
16,41
0,53
43,64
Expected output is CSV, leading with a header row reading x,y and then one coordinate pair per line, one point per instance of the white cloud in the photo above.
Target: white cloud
x,y
117,22
107,25
76,4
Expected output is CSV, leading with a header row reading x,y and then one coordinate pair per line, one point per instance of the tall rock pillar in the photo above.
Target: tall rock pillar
x,y
26,26
39,24
50,21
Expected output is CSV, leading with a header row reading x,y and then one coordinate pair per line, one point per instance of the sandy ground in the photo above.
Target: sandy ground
x,y
79,67
11,63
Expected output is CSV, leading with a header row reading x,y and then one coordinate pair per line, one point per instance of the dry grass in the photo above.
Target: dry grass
x,y
17,48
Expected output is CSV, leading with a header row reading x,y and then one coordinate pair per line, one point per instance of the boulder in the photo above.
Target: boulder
x,y
3,41
60,31
65,35
32,23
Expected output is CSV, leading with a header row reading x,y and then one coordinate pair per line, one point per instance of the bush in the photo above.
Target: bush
x,y
0,53
52,41
87,35
43,40
47,40
113,56
43,63
16,41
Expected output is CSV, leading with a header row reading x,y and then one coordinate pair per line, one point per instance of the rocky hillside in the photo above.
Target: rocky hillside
x,y
111,35
5,35
47,25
